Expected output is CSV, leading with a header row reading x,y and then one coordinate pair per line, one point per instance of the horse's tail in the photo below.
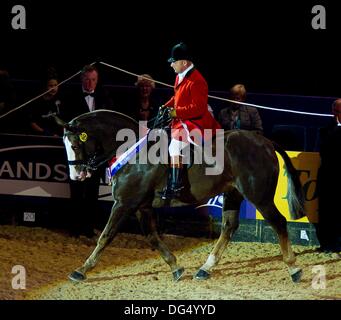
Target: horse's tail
x,y
295,191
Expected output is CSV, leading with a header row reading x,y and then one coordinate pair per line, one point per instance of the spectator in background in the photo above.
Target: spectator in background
x,y
328,228
238,116
146,106
40,123
84,194
89,97
141,104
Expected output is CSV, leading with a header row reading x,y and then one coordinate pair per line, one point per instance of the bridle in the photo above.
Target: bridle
x,y
94,160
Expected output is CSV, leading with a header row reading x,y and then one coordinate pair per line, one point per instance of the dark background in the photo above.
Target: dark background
x,y
269,46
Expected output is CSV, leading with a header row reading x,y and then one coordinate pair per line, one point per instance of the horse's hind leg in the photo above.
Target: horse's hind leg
x,y
148,226
279,224
230,223
107,235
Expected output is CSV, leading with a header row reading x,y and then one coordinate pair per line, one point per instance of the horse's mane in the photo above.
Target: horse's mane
x,y
103,111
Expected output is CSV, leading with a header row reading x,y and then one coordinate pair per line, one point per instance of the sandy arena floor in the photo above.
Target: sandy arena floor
x,y
129,269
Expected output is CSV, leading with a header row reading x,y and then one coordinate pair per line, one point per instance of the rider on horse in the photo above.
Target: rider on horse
x,y
189,110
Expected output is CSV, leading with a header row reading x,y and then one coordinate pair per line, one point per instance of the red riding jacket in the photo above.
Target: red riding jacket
x,y
190,102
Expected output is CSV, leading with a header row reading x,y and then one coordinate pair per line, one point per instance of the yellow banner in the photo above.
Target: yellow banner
x,y
307,163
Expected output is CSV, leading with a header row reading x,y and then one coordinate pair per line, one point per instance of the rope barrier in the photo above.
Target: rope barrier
x,y
273,109
170,86
42,94
135,74
224,99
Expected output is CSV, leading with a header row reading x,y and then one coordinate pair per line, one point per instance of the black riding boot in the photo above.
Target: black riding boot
x,y
174,184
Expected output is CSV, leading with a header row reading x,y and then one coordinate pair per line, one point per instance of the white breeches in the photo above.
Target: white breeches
x,y
175,147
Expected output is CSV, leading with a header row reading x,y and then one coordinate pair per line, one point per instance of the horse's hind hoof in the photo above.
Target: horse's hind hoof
x,y
177,274
296,276
202,275
77,276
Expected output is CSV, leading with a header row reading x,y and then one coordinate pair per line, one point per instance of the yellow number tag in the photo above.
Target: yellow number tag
x,y
83,137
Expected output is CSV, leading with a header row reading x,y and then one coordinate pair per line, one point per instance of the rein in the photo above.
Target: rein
x,y
94,161
161,120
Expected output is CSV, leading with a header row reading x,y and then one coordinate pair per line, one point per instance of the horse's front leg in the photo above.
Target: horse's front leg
x,y
148,226
230,223
118,213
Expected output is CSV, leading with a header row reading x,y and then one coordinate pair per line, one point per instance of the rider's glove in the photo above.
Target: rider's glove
x,y
172,113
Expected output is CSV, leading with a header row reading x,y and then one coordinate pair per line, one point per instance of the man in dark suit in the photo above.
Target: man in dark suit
x,y
89,97
84,194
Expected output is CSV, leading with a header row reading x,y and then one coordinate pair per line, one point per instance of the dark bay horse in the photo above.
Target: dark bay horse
x,y
250,170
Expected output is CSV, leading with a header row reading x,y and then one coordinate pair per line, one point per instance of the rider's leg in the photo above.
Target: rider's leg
x,y
176,167
174,183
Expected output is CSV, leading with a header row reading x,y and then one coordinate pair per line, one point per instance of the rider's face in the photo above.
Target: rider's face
x,y
179,66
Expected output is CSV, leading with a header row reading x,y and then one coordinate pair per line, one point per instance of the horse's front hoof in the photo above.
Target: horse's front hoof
x,y
177,274
77,276
296,276
202,275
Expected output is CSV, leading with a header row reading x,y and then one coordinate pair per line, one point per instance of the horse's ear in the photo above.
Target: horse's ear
x,y
71,128
67,126
58,120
